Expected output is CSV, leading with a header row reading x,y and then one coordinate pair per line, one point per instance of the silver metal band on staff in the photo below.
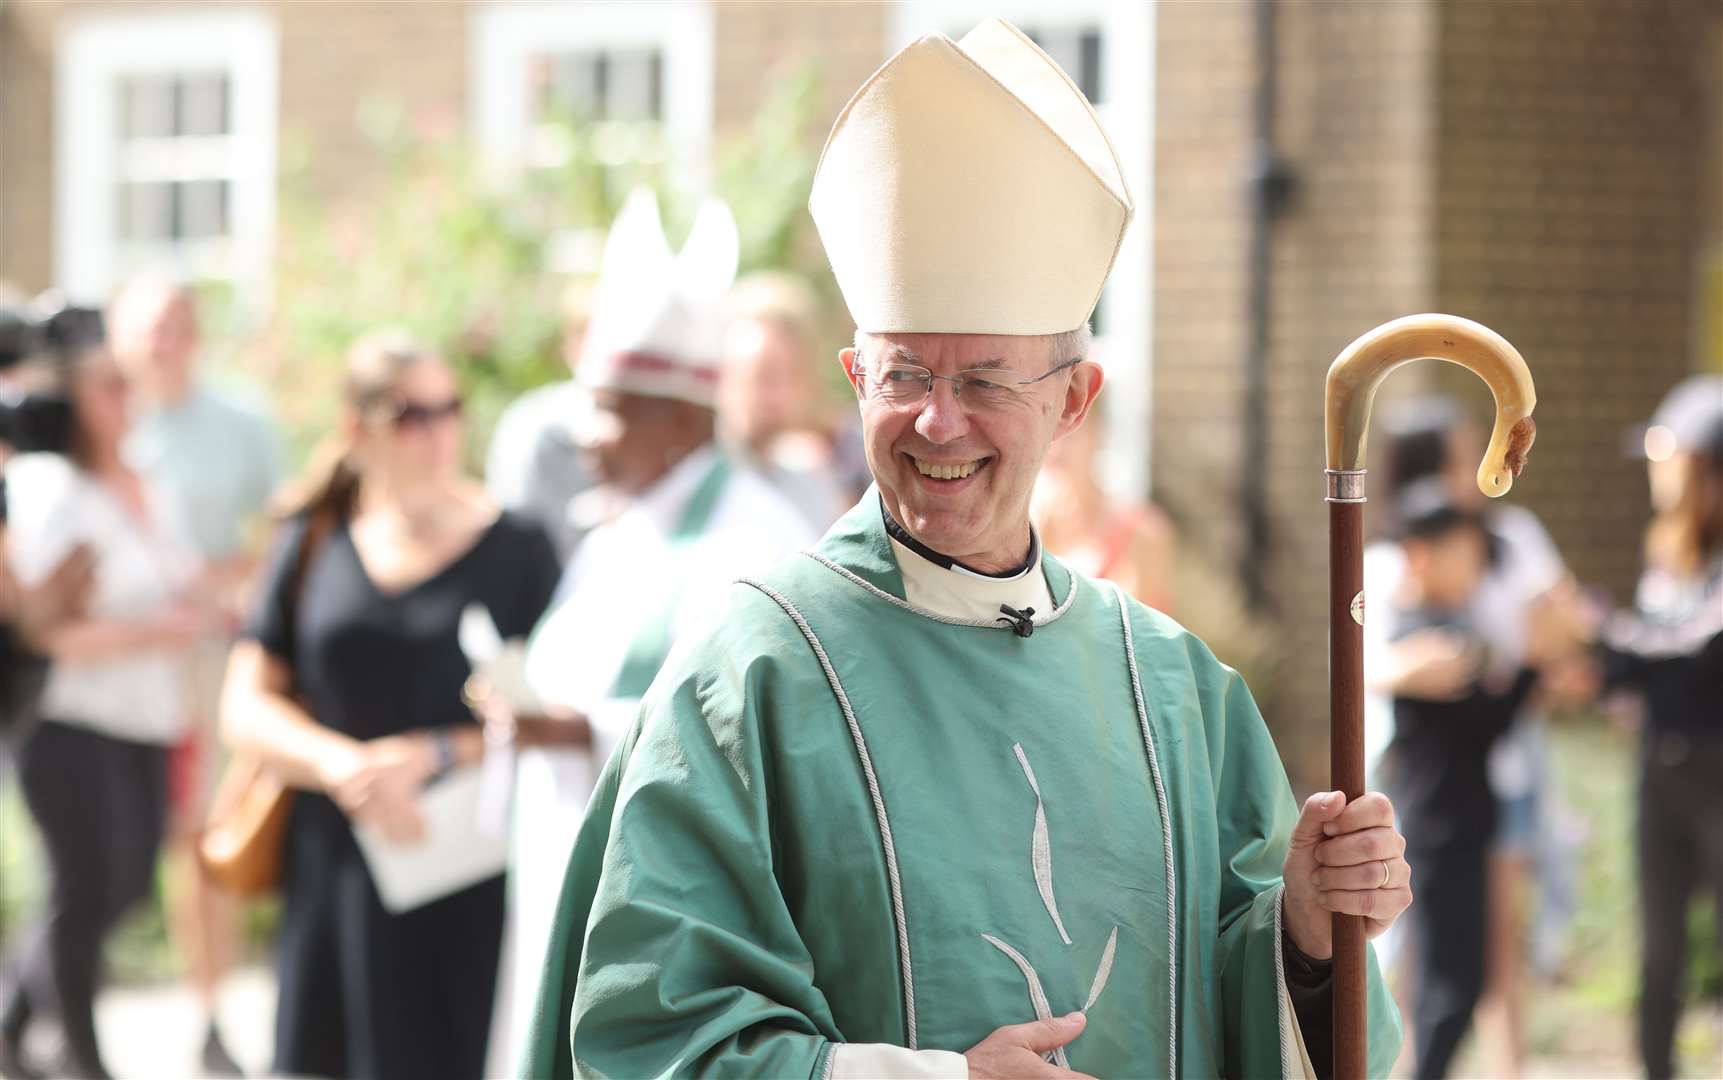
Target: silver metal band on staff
x,y
1345,485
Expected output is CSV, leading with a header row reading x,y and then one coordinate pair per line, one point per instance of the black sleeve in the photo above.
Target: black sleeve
x,y
1310,984
271,622
536,573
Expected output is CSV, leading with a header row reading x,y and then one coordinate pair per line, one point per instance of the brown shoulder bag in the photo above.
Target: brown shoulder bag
x,y
242,842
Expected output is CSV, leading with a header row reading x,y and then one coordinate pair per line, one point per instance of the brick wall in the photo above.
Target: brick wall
x,y
1350,252
843,41
1571,217
27,143
376,57
1202,153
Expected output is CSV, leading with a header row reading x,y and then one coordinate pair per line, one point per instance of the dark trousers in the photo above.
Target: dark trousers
x,y
1449,926
99,803
1680,850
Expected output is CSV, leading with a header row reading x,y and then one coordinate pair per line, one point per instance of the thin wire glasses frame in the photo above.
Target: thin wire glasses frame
x,y
896,382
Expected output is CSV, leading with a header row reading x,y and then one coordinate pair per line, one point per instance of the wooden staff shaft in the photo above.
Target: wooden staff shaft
x,y
1346,763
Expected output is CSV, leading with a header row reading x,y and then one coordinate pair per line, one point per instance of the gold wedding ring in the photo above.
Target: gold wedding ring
x,y
1385,875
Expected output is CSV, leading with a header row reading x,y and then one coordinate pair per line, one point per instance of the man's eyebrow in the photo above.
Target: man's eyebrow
x,y
991,364
899,354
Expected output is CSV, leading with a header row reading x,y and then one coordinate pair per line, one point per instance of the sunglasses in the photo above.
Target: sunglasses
x,y
412,415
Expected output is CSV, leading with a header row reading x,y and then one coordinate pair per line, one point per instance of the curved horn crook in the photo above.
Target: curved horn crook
x,y
1361,366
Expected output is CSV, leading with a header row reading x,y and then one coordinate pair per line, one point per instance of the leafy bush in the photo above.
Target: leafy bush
x,y
477,263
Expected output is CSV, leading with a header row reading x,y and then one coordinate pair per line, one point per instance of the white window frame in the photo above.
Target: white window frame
x,y
1128,30
506,35
93,52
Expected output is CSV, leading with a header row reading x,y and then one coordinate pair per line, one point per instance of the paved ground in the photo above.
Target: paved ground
x,y
151,1032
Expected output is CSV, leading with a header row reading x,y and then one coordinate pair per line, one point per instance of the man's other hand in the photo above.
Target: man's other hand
x,y
1016,1050
1347,860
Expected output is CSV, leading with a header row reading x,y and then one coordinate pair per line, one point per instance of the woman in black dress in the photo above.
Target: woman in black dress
x,y
349,684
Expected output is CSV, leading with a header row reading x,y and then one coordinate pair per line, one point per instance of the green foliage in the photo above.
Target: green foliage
x,y
766,177
476,263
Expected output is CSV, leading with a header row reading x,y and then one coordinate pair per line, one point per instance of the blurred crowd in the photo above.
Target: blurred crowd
x,y
428,661
1478,632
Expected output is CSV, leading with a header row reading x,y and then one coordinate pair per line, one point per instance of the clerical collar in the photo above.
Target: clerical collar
x,y
942,585
946,562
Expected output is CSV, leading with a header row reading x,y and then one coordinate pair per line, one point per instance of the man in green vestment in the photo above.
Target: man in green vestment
x,y
926,802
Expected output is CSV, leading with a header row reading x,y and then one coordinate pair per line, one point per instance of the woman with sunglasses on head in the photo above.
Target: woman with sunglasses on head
x,y
94,768
349,685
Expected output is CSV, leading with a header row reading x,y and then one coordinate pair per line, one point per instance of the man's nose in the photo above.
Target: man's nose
x,y
942,418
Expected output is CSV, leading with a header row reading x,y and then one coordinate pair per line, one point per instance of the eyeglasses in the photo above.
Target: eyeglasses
x,y
411,414
897,383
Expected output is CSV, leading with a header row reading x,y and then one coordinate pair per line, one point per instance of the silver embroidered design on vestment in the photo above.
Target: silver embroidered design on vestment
x,y
1041,847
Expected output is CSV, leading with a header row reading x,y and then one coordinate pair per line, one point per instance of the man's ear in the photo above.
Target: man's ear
x,y
1080,394
847,358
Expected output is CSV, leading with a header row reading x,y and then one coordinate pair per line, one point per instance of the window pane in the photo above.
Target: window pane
x,y
632,90
616,84
202,209
146,106
573,87
146,211
203,104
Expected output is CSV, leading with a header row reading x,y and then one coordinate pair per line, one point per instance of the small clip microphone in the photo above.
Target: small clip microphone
x,y
1021,622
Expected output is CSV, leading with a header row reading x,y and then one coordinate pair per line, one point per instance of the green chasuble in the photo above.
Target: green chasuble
x,y
843,819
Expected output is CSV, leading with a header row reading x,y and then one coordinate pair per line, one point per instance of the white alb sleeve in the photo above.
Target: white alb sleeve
x,y
883,1061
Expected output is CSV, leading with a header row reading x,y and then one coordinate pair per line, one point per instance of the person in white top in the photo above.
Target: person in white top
x,y
685,520
94,769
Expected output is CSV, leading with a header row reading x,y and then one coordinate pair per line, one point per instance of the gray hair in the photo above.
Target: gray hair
x,y
1069,345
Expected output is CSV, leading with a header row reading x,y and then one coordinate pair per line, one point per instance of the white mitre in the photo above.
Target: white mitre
x,y
967,187
658,318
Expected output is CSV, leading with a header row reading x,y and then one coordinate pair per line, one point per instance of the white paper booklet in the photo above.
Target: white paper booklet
x,y
456,851
503,664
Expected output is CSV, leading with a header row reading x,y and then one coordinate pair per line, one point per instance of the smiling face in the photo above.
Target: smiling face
x,y
954,473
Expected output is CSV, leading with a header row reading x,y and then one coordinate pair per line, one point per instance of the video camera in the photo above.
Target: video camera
x,y
40,421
